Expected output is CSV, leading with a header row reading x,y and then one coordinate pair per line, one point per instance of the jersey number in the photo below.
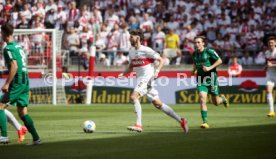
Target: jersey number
x,y
23,57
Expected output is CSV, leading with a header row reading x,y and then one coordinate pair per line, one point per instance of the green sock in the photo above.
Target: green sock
x,y
3,123
30,126
204,115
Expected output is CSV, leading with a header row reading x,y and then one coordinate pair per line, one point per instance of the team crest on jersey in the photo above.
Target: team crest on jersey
x,y
205,56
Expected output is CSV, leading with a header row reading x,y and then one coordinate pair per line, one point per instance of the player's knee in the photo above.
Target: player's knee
x,y
157,104
134,98
202,100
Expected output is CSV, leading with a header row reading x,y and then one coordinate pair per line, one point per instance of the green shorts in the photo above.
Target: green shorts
x,y
210,89
18,95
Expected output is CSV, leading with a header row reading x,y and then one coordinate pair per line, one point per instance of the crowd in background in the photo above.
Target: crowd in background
x,y
232,27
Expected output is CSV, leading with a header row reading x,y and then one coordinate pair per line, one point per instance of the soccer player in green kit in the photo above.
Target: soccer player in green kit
x,y
16,87
205,62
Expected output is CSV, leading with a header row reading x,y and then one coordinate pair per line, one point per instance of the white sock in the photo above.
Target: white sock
x,y
170,112
138,111
12,120
270,102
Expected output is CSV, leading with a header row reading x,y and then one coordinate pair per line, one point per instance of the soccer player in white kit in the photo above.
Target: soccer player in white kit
x,y
271,73
142,60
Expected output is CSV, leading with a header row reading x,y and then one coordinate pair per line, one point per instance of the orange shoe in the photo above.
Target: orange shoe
x,y
184,125
135,127
21,134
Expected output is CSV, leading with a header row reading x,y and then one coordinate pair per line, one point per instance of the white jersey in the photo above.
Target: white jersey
x,y
271,57
142,61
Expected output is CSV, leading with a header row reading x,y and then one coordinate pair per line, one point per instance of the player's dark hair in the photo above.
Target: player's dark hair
x,y
7,28
137,32
203,38
271,38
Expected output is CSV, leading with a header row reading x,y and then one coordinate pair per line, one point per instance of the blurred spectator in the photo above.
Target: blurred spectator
x,y
124,43
38,10
251,39
228,49
112,44
104,61
172,24
210,27
98,16
100,43
146,23
86,37
26,12
189,38
179,59
94,26
181,32
120,59
171,44
111,19
60,18
158,39
260,59
72,42
235,68
24,23
133,24
247,60
51,14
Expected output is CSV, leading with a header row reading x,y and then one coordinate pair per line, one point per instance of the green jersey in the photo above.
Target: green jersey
x,y
13,51
206,58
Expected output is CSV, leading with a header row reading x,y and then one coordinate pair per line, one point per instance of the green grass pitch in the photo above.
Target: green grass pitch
x,y
241,131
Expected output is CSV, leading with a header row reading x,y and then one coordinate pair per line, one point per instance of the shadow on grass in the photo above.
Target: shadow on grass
x,y
252,142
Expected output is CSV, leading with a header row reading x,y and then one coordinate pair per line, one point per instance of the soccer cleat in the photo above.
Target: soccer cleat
x,y
184,125
204,126
4,140
225,102
136,127
21,134
34,143
271,114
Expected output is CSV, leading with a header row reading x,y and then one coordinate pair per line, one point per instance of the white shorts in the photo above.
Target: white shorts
x,y
271,80
145,86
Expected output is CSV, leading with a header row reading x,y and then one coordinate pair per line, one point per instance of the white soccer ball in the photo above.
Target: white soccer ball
x,y
89,126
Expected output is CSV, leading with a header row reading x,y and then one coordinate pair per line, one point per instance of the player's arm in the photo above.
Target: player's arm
x,y
159,67
270,64
127,71
194,71
216,64
12,72
214,56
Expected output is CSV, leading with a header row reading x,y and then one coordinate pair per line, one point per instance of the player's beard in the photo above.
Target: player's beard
x,y
134,43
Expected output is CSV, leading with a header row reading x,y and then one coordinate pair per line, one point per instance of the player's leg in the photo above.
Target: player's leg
x,y
28,121
21,130
170,112
12,120
3,124
203,91
139,91
138,111
216,98
269,89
